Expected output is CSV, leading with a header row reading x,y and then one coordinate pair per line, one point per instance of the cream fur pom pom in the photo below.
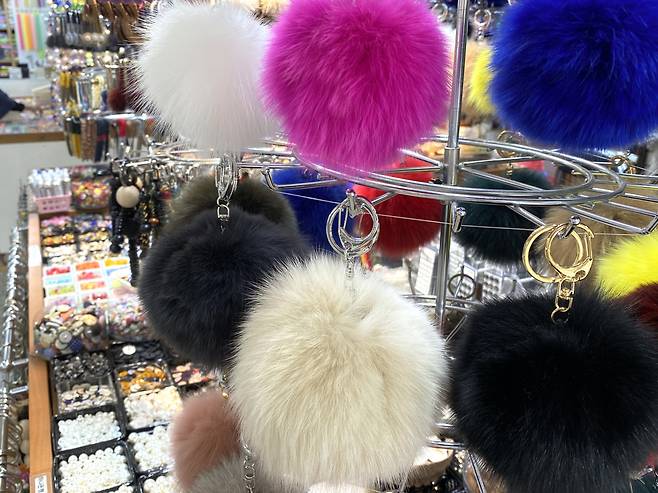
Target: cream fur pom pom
x,y
199,69
336,386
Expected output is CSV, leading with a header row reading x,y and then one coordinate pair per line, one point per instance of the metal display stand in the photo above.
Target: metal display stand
x,y
594,180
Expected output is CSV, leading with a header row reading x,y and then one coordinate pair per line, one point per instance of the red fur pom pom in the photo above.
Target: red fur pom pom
x,y
399,237
644,303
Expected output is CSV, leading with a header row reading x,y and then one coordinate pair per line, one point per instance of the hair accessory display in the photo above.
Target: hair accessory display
x,y
630,265
318,359
407,223
578,399
195,279
578,73
346,80
200,63
203,436
480,83
200,194
312,206
498,245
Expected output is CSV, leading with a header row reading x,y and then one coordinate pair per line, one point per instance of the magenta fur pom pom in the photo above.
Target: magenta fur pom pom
x,y
354,81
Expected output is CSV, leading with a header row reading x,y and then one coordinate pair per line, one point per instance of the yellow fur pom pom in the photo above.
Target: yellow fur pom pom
x,y
480,83
629,265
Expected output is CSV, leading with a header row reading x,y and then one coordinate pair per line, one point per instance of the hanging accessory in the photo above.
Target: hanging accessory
x,y
318,356
578,73
498,233
195,277
191,88
125,196
345,79
407,223
571,393
567,276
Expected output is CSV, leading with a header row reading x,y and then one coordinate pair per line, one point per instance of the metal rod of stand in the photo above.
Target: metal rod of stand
x,y
451,160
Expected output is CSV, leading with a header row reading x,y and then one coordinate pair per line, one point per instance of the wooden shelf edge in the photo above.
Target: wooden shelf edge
x,y
41,454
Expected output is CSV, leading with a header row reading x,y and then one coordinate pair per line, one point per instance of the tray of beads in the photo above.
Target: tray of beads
x,y
67,329
89,427
159,482
126,320
79,367
124,488
150,449
142,376
126,354
151,408
93,469
88,394
190,374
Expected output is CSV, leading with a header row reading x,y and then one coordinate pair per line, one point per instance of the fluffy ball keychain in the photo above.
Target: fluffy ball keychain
x,y
569,407
497,233
195,279
206,448
479,96
417,220
578,73
334,382
312,205
203,435
353,82
630,265
200,194
200,63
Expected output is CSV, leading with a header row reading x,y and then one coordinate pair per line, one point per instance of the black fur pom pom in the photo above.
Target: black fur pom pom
x,y
252,196
499,245
569,407
196,280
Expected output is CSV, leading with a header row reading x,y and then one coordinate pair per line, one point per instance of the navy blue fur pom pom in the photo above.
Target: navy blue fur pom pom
x,y
503,246
310,204
581,74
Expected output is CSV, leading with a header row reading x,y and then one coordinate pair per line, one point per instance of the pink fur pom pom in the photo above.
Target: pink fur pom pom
x,y
203,435
354,81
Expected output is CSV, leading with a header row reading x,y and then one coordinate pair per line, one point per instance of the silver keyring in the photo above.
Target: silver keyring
x,y
350,246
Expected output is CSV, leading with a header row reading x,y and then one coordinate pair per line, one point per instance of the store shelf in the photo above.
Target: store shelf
x,y
31,137
41,457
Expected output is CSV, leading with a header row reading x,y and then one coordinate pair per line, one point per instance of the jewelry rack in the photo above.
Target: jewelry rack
x,y
14,326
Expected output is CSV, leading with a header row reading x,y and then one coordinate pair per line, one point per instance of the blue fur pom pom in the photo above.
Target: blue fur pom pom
x,y
312,206
581,74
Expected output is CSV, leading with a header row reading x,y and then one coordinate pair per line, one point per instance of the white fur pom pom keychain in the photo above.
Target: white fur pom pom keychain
x,y
199,70
335,383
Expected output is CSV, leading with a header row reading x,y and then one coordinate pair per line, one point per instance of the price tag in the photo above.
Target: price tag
x,y
41,484
426,272
34,256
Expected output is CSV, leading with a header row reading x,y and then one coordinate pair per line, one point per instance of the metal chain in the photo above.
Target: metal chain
x,y
249,468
